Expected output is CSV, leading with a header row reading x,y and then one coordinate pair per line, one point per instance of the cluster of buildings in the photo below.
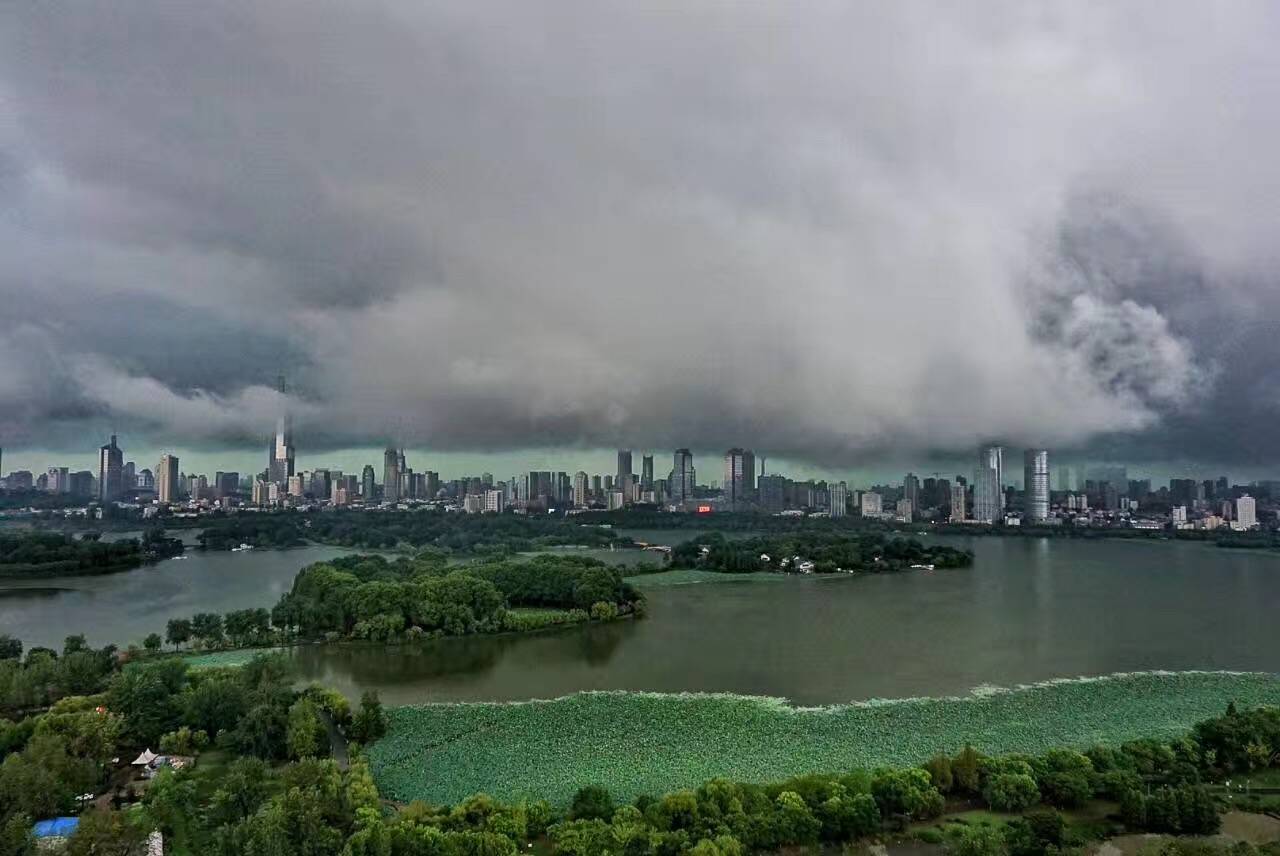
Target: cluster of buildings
x,y
1080,495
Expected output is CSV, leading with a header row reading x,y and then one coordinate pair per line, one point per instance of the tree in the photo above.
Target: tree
x,y
976,840
74,643
939,769
305,731
262,732
592,802
906,794
10,648
370,723
796,821
207,627
1011,792
178,631
106,833
966,770
153,642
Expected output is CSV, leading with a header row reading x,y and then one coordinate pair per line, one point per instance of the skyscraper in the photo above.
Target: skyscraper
x,y
110,471
367,482
957,503
167,478
911,489
580,488
839,499
280,454
988,476
1035,484
646,472
683,476
1246,512
624,464
739,476
391,475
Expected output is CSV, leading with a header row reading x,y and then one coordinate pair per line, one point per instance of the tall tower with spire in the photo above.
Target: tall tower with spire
x,y
280,453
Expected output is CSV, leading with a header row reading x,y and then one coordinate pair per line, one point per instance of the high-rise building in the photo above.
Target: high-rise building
x,y
839,502
494,501
957,503
772,492
683,476
872,504
167,478
110,471
1246,512
1035,484
646,472
988,499
280,455
739,477
580,489
911,489
368,483
59,480
391,474
992,458
624,464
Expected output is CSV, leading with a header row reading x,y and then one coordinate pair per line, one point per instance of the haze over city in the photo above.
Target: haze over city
x,y
841,236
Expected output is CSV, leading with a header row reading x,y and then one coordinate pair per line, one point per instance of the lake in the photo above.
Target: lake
x,y
1028,610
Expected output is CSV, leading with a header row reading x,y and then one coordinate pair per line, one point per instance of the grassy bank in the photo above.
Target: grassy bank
x,y
635,743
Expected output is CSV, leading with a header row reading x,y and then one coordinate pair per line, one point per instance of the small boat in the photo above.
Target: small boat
x,y
179,558
242,548
922,567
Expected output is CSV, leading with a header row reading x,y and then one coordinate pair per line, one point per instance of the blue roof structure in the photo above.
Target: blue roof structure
x,y
58,827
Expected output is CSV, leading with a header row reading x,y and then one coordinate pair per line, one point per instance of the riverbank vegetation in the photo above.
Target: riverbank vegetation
x,y
32,554
814,552
451,533
444,752
267,767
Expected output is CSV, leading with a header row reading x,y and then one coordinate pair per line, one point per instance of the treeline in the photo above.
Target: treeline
x,y
51,554
828,552
453,533
725,521
368,597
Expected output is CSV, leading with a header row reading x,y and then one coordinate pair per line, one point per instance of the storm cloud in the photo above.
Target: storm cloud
x,y
823,230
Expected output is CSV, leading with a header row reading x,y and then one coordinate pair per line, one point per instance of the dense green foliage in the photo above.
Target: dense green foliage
x,y
264,785
52,554
368,597
466,534
549,748
828,552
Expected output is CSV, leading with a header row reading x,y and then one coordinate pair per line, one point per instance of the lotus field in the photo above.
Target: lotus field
x,y
634,743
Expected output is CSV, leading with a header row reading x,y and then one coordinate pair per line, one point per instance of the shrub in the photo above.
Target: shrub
x,y
1011,792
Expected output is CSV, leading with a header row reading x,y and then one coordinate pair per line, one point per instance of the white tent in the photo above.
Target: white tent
x,y
145,758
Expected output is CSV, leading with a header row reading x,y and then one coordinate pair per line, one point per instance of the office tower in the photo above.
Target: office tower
x,y
1064,479
261,495
839,499
683,476
110,471
905,510
321,486
597,486
1246,512
616,500
987,497
368,482
739,477
82,484
198,486
280,455
473,503
992,458
872,504
646,472
433,484
58,480
226,484
1035,484
957,503
608,483
1221,488
624,464
167,478
146,479
494,500
580,489
129,476
773,493
391,475
911,490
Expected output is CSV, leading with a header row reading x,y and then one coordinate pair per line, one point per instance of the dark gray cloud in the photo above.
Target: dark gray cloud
x,y
821,229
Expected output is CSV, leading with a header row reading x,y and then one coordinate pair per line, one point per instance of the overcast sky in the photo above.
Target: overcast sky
x,y
830,231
